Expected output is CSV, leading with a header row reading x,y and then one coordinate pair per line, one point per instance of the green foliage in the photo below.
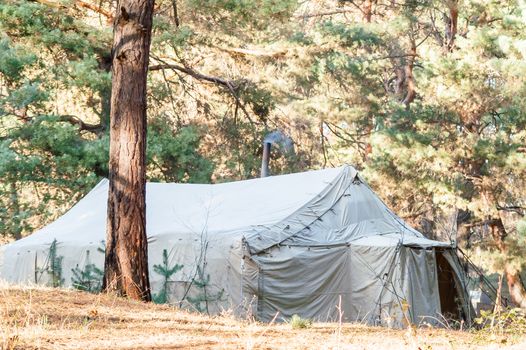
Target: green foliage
x,y
247,12
351,35
89,278
521,229
204,297
506,322
52,267
260,100
166,272
297,322
45,26
84,73
48,143
25,95
178,38
13,60
175,157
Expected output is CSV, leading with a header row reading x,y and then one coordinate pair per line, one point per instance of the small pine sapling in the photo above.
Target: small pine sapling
x,y
167,272
88,279
52,267
201,300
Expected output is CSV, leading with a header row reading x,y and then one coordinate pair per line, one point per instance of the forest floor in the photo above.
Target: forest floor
x,y
41,318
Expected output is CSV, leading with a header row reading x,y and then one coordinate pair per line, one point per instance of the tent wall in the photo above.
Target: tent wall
x,y
218,259
32,264
294,244
421,285
389,286
210,278
373,299
308,282
377,285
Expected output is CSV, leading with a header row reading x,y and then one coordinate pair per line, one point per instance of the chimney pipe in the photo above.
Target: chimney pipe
x,y
266,159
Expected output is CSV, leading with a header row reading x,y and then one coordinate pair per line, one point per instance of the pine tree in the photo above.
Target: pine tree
x,y
52,267
126,263
89,278
166,272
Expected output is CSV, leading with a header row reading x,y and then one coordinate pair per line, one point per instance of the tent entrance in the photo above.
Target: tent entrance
x,y
450,299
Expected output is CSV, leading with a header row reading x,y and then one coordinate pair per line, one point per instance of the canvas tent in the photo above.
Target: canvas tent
x,y
302,244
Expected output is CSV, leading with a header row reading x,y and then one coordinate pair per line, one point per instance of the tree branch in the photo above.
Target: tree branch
x,y
216,80
95,8
257,53
96,128
512,208
79,3
232,86
329,13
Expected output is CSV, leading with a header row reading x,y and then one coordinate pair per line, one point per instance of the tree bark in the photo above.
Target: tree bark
x,y
126,262
451,24
515,286
513,278
15,206
368,10
176,13
410,84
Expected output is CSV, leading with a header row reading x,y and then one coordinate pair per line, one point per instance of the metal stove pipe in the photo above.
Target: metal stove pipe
x,y
266,159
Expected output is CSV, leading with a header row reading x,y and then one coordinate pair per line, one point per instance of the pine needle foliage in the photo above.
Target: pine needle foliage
x,y
203,297
89,278
52,267
166,271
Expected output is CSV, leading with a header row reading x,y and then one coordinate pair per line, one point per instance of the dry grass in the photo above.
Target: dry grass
x,y
40,318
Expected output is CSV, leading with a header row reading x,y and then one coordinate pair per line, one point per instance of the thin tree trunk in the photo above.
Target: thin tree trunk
x,y
126,263
515,286
409,77
367,16
451,24
15,206
176,13
368,10
513,278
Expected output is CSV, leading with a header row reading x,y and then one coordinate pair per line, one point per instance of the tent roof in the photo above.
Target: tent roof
x,y
346,211
192,208
266,211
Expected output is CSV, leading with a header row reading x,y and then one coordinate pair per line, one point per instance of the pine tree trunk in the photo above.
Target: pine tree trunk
x,y
513,278
515,286
451,24
368,10
15,207
126,263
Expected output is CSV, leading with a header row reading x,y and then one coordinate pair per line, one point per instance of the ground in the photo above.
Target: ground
x,y
40,318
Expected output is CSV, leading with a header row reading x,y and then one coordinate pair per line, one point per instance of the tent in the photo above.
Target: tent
x,y
319,244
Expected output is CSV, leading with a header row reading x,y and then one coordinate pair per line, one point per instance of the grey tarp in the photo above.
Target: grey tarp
x,y
303,243
345,254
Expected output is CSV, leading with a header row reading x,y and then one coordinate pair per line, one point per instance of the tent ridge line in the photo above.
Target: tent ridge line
x,y
343,175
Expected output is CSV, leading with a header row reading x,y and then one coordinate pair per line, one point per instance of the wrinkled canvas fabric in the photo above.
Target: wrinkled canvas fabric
x,y
319,244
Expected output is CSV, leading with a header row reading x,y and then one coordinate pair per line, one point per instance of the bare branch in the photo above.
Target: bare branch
x,y
328,13
95,8
80,3
194,74
95,128
232,86
257,53
513,208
